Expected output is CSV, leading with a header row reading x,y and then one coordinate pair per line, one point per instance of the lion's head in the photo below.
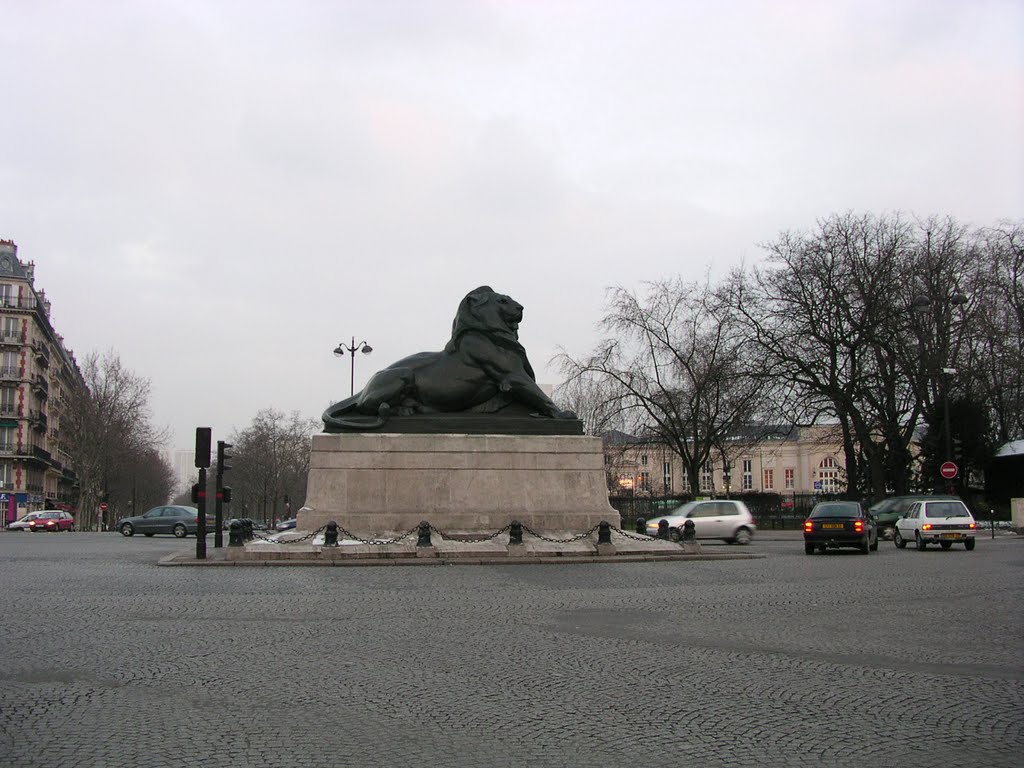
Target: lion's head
x,y
488,312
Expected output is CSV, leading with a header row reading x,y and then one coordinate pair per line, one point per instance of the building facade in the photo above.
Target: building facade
x,y
790,460
37,377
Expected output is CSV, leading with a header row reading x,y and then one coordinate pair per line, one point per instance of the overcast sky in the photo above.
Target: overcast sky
x,y
223,191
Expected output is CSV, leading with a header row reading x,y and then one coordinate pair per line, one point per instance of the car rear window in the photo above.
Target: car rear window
x,y
837,509
945,509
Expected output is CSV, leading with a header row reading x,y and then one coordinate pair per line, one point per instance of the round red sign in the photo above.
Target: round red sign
x,y
949,470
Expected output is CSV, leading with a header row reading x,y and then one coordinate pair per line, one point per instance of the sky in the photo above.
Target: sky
x,y
221,192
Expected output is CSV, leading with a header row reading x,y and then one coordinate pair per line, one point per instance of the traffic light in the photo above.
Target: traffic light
x,y
958,448
195,493
202,446
223,457
225,494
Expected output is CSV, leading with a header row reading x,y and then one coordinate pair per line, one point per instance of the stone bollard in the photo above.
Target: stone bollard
x,y
423,536
663,529
247,529
604,539
515,532
235,534
689,540
641,525
331,535
689,531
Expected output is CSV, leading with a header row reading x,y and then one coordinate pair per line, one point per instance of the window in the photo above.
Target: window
x,y
828,475
5,474
6,298
666,469
12,329
10,366
748,474
790,481
643,459
769,479
6,439
8,401
705,477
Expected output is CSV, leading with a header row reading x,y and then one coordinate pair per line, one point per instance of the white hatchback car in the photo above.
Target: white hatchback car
x,y
725,519
23,523
945,522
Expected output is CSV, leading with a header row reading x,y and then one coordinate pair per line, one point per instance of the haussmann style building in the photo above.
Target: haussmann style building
x,y
37,374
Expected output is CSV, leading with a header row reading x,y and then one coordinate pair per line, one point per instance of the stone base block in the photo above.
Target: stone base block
x,y
379,485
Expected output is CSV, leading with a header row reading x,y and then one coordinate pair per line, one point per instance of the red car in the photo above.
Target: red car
x,y
53,520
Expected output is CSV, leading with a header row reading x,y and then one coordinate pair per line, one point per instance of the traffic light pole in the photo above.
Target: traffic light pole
x,y
223,494
201,523
218,506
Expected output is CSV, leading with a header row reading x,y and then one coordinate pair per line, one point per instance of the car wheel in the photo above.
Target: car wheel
x,y
179,531
969,544
674,534
127,530
808,548
743,536
874,544
865,547
921,543
71,529
945,544
898,540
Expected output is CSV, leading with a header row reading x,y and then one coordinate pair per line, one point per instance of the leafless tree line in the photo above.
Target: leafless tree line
x,y
114,447
859,322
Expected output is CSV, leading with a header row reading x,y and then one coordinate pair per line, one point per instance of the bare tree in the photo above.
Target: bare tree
x,y
996,355
109,432
674,368
271,464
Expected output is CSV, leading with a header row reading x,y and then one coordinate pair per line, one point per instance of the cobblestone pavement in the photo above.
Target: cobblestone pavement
x,y
901,658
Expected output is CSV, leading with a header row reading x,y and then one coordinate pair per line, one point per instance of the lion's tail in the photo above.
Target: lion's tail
x,y
337,418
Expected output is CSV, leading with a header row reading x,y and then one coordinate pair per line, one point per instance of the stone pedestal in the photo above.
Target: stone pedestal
x,y
379,484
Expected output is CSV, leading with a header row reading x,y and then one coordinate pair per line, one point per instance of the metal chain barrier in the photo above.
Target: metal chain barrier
x,y
447,537
560,541
474,540
633,536
261,537
378,542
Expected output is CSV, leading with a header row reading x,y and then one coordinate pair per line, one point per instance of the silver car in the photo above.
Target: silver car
x,y
177,520
726,519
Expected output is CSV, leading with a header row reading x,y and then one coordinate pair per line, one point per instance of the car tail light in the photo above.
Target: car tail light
x,y
858,526
808,526
927,526
973,526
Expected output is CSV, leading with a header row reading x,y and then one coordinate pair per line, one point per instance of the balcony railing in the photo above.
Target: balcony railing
x,y
10,409
41,385
38,419
12,373
42,354
16,302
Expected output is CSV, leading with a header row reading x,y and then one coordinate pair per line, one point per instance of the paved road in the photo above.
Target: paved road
x,y
900,658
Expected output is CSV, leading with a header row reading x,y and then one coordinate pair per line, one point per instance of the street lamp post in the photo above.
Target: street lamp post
x,y
352,348
923,304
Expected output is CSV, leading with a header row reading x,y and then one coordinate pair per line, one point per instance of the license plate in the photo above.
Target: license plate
x,y
952,536
831,526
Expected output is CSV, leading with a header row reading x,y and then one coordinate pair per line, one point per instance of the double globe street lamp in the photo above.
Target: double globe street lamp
x,y
352,348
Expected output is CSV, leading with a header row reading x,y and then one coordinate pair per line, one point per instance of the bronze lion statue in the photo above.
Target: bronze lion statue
x,y
482,369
